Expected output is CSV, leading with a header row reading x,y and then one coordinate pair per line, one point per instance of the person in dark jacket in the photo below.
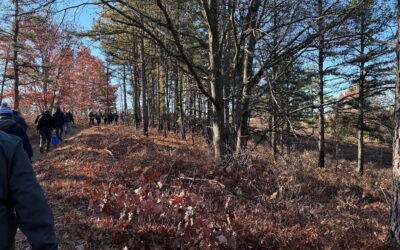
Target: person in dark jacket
x,y
45,127
116,116
10,126
105,117
20,120
69,119
58,122
99,115
92,116
22,202
110,118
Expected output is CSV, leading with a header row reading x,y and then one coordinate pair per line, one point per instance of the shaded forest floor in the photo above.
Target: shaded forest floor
x,y
112,188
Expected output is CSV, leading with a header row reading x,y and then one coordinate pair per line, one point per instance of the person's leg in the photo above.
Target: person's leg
x,y
61,132
42,140
67,126
58,132
48,139
70,127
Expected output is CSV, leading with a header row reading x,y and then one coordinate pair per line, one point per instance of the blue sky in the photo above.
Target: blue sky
x,y
82,18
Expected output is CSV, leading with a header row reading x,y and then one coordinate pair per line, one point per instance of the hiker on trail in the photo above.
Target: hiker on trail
x,y
10,126
116,117
92,116
45,127
19,119
58,122
22,201
110,118
69,119
99,115
105,117
38,117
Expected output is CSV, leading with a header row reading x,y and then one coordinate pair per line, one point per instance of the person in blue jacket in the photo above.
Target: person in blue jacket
x,y
22,201
10,126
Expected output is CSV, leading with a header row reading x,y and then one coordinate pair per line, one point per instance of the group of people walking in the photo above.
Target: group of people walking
x,y
22,201
107,117
60,122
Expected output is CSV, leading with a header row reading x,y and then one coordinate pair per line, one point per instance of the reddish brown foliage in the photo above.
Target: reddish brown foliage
x,y
141,197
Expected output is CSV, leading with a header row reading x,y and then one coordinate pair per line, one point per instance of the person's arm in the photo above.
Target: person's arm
x,y
24,124
34,216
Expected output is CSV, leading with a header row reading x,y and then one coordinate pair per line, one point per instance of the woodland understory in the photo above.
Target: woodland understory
x,y
258,124
111,188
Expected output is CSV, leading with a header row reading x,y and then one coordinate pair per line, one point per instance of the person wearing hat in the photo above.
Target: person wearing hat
x,y
10,126
23,204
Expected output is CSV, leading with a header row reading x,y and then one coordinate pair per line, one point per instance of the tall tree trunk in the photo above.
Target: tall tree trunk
x,y
162,98
243,108
321,45
153,100
3,81
108,86
143,78
46,77
274,106
135,95
176,100
124,88
167,98
394,231
138,119
211,11
274,127
160,125
15,58
180,107
361,105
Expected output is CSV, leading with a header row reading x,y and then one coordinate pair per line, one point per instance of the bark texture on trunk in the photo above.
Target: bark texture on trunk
x,y
15,58
143,78
211,12
321,134
3,82
394,231
361,104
